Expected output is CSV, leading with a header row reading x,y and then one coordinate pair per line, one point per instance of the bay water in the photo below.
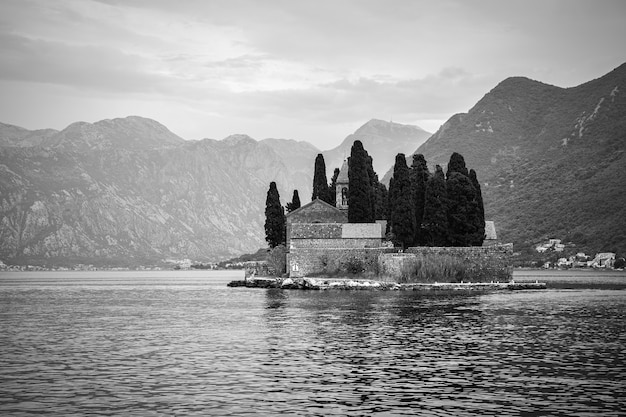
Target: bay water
x,y
183,343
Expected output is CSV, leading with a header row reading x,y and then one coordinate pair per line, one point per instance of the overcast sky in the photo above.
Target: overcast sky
x,y
306,70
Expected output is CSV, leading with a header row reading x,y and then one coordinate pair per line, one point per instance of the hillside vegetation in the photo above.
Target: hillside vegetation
x,y
551,160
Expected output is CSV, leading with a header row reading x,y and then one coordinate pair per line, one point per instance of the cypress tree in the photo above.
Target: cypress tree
x,y
462,210
295,202
380,198
419,177
377,191
391,202
332,189
403,211
479,215
274,218
456,164
359,197
320,183
435,222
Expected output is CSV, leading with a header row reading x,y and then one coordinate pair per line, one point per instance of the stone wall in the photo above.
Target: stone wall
x,y
333,248
315,212
297,244
316,231
478,263
334,261
318,212
362,231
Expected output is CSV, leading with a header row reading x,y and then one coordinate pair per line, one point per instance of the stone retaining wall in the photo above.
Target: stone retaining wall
x,y
479,263
332,261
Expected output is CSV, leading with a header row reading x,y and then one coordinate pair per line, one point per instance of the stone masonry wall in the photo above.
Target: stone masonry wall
x,y
315,212
334,261
482,263
316,231
297,244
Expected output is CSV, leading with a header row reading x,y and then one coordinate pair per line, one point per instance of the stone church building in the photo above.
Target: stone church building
x,y
320,240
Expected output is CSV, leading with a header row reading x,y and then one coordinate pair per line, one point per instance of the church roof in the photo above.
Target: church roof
x,y
343,173
317,201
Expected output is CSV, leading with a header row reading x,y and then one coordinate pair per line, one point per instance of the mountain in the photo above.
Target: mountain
x,y
382,140
551,160
128,191
11,135
132,133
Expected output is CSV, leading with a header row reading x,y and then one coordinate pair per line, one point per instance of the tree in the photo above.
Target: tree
x,y
379,193
419,177
391,202
295,202
479,215
435,222
456,164
332,189
462,210
274,218
359,198
403,210
320,183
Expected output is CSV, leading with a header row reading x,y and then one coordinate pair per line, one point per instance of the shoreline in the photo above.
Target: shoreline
x,y
367,284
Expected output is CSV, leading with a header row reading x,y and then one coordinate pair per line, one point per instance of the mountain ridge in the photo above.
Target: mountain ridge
x,y
565,141
551,161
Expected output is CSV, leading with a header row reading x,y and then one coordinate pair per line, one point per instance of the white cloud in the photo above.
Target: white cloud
x,y
299,69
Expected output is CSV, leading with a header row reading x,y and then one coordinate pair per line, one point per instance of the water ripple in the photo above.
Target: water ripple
x,y
195,348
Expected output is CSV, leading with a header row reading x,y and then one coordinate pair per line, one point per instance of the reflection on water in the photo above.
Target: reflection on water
x,y
180,345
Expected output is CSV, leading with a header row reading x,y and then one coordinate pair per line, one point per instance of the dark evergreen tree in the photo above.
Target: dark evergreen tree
x,y
332,189
479,216
462,210
359,197
419,177
320,183
435,221
274,218
391,202
380,198
403,211
457,164
378,191
295,202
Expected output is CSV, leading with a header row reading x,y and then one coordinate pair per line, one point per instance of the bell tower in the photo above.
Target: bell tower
x,y
342,186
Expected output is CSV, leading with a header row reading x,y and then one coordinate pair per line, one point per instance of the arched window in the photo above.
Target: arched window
x,y
344,196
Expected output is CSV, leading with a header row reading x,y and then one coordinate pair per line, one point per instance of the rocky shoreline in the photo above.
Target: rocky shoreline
x,y
365,284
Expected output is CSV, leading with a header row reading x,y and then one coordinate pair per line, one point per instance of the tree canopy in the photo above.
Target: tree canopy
x,y
320,183
359,197
456,164
274,218
295,202
403,209
419,177
435,223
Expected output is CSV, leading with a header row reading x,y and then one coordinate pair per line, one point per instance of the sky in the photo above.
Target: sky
x,y
292,69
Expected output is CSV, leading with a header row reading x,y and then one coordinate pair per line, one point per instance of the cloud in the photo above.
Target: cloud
x,y
293,68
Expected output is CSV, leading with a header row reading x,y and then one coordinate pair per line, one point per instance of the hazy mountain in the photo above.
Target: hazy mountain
x,y
299,158
382,140
128,191
551,160
11,135
133,132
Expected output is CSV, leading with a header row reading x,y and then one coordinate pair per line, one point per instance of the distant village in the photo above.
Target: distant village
x,y
604,260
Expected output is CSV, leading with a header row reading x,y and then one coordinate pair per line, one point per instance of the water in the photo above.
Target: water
x,y
182,343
